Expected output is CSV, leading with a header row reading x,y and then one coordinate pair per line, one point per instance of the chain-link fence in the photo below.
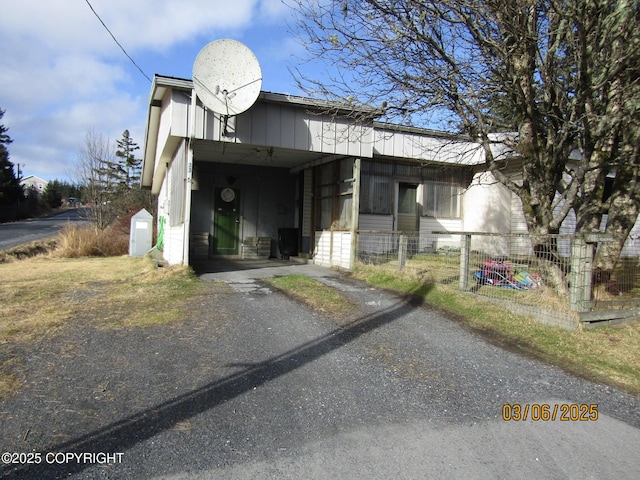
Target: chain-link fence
x,y
551,278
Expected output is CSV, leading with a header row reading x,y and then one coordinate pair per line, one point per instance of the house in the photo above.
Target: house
x,y
35,183
296,176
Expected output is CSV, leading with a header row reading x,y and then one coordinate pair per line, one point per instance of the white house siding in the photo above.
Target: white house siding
x,y
173,244
173,249
568,227
632,245
430,241
333,249
487,207
268,123
425,145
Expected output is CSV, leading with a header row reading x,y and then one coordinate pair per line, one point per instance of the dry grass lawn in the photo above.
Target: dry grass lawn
x,y
43,294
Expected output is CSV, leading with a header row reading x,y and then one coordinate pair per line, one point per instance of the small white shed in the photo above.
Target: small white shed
x,y
141,234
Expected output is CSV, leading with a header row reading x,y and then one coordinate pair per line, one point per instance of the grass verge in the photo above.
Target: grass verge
x,y
605,355
316,295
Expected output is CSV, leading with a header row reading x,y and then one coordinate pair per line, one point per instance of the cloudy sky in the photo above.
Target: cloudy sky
x,y
62,75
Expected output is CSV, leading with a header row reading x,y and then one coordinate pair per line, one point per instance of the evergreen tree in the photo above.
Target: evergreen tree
x,y
129,164
52,194
10,188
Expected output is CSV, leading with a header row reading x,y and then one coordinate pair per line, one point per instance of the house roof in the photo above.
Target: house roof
x,y
32,179
303,135
162,82
300,130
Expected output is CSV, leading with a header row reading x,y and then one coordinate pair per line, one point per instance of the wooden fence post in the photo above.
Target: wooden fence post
x,y
402,252
581,275
465,248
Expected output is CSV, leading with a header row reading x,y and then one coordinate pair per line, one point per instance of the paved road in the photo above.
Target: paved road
x,y
260,387
25,231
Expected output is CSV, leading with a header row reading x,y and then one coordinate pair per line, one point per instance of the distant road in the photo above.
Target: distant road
x,y
25,231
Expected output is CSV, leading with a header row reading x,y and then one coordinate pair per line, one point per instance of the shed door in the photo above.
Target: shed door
x,y
226,221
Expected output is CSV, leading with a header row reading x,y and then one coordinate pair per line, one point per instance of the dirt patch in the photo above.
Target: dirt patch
x,y
87,376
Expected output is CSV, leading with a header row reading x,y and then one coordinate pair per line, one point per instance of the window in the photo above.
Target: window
x,y
442,199
443,189
376,188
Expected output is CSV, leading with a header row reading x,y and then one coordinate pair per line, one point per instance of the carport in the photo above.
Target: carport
x,y
235,186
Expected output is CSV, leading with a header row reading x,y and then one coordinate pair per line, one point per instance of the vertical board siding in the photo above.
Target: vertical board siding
x,y
173,244
172,251
285,126
302,135
177,185
426,146
180,106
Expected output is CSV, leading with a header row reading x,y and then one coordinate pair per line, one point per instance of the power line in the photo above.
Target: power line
x,y
118,43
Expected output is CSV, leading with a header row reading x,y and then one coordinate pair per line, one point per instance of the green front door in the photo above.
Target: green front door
x,y
226,221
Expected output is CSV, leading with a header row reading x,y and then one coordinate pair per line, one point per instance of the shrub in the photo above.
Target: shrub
x,y
76,242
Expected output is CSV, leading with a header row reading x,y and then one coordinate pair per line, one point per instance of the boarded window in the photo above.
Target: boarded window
x,y
334,194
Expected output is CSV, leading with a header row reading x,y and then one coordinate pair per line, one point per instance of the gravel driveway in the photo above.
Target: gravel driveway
x,y
254,385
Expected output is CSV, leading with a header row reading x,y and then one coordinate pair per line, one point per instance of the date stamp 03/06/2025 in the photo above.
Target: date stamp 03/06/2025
x,y
544,412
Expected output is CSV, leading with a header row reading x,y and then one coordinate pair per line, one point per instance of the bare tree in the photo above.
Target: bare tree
x,y
563,75
92,172
110,180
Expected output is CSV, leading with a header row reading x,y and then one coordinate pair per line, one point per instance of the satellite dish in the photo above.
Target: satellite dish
x,y
227,77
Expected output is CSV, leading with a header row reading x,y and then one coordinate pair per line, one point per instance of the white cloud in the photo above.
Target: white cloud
x,y
274,9
62,74
140,24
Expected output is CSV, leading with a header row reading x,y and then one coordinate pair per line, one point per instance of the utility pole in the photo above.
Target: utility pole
x,y
18,212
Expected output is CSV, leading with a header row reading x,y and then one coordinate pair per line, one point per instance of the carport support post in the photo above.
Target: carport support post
x,y
187,201
355,205
465,248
